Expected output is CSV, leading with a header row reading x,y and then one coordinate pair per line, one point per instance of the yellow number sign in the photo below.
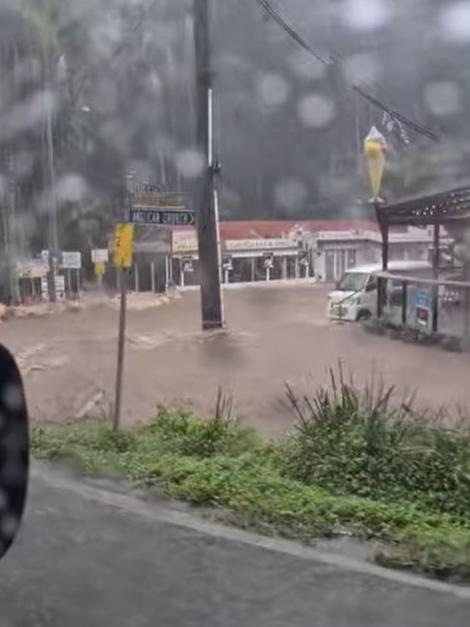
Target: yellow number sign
x,y
100,269
123,243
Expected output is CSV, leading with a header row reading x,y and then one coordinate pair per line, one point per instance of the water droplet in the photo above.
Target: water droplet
x,y
71,188
366,14
273,90
290,193
190,163
443,98
455,22
316,111
13,398
361,68
305,67
8,526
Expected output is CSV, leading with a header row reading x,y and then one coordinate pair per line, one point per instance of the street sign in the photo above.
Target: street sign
x,y
31,269
60,287
100,269
144,214
123,245
45,289
71,261
161,200
100,255
144,188
422,303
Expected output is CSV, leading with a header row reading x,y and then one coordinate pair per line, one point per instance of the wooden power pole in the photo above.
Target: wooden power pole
x,y
206,188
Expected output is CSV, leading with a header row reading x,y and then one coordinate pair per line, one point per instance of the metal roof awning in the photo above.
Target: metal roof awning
x,y
443,208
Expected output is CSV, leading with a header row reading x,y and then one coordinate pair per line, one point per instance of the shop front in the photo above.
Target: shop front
x,y
185,259
32,281
251,260
243,260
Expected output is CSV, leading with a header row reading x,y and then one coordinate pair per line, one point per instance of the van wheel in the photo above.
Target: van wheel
x,y
364,315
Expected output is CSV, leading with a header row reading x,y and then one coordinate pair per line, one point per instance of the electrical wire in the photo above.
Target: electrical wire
x,y
267,6
290,31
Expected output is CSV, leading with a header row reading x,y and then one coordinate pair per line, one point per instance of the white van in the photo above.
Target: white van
x,y
355,296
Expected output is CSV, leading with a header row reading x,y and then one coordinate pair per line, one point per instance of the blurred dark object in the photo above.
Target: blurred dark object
x,y
14,450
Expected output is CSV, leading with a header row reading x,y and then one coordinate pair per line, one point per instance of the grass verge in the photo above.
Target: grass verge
x,y
256,485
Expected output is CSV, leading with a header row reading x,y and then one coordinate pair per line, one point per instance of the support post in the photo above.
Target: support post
x,y
182,273
466,303
253,271
435,273
136,277
152,277
121,348
382,284
404,303
53,221
167,272
207,225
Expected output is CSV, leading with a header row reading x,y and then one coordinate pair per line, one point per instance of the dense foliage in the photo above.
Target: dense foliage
x,y
352,466
118,77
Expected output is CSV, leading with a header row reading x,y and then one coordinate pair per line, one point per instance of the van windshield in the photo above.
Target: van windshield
x,y
353,282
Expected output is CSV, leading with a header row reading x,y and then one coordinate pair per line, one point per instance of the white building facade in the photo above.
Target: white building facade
x,y
333,252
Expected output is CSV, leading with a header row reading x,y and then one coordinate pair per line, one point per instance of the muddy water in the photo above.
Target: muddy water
x,y
274,335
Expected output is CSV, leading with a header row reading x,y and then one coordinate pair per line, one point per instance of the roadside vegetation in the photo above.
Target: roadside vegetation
x,y
357,463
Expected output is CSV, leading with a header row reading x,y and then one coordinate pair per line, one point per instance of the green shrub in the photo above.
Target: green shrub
x,y
181,433
355,464
361,443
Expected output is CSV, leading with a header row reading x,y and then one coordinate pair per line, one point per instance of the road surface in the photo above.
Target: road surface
x,y
91,556
274,334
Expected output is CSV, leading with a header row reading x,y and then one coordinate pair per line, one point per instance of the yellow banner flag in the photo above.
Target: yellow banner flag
x,y
123,245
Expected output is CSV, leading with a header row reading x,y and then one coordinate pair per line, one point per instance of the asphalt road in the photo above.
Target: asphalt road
x,y
91,556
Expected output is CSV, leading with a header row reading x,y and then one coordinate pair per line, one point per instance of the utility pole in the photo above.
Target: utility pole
x,y
206,188
53,225
10,229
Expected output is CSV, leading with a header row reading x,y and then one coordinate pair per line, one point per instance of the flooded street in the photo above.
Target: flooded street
x,y
274,334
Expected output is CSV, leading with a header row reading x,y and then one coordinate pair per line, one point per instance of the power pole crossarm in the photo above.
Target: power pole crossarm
x,y
206,192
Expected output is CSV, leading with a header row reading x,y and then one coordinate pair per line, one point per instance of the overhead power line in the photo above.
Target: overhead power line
x,y
417,128
401,119
267,6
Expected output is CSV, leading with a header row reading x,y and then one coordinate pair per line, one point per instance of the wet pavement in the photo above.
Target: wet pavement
x,y
88,555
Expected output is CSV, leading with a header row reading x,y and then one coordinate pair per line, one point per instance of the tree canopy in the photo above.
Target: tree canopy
x,y
118,76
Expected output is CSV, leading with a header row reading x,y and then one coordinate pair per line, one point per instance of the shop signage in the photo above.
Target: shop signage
x,y
260,244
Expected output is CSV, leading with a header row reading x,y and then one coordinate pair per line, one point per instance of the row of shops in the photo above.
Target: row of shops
x,y
244,260
255,251
251,251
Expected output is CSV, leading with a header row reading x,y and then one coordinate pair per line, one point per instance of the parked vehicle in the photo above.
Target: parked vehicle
x,y
355,296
